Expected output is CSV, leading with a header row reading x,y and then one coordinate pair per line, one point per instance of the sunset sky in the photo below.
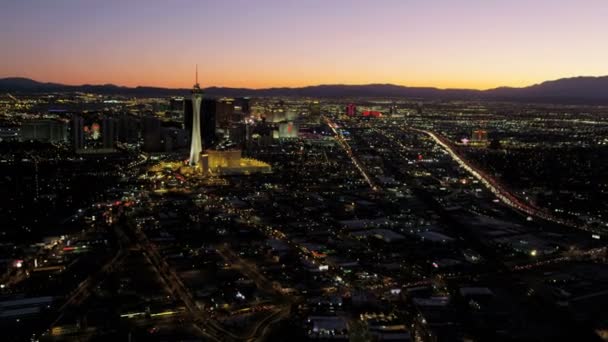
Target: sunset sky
x,y
261,43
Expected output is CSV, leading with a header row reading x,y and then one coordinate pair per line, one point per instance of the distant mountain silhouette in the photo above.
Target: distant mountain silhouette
x,y
576,90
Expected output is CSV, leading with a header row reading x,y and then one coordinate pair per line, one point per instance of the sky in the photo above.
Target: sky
x,y
271,43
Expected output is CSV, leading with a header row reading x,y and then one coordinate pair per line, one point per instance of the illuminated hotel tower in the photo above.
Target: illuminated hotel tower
x,y
196,147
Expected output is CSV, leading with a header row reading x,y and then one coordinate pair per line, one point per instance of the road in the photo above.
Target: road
x,y
500,191
251,271
248,269
84,289
202,321
350,153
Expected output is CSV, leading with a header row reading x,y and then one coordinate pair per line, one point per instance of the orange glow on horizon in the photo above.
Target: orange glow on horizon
x,y
277,82
473,44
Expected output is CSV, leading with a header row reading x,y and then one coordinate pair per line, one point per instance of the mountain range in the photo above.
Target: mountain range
x,y
575,90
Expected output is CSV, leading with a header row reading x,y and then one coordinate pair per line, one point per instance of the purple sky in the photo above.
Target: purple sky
x,y
259,43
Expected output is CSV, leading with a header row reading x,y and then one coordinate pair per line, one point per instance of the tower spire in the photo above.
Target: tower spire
x,y
196,88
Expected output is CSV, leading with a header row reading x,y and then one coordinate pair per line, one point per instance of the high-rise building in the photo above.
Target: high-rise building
x,y
224,112
176,104
44,131
209,122
128,131
261,134
351,109
109,132
174,138
196,146
77,132
288,130
315,112
392,109
243,105
152,134
237,133
277,112
188,116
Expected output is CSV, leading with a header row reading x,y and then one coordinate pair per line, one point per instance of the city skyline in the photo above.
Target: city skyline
x,y
289,43
304,170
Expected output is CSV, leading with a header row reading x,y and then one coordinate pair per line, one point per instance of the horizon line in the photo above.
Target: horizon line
x,y
304,86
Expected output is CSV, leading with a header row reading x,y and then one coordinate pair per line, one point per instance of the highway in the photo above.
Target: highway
x,y
565,256
501,192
